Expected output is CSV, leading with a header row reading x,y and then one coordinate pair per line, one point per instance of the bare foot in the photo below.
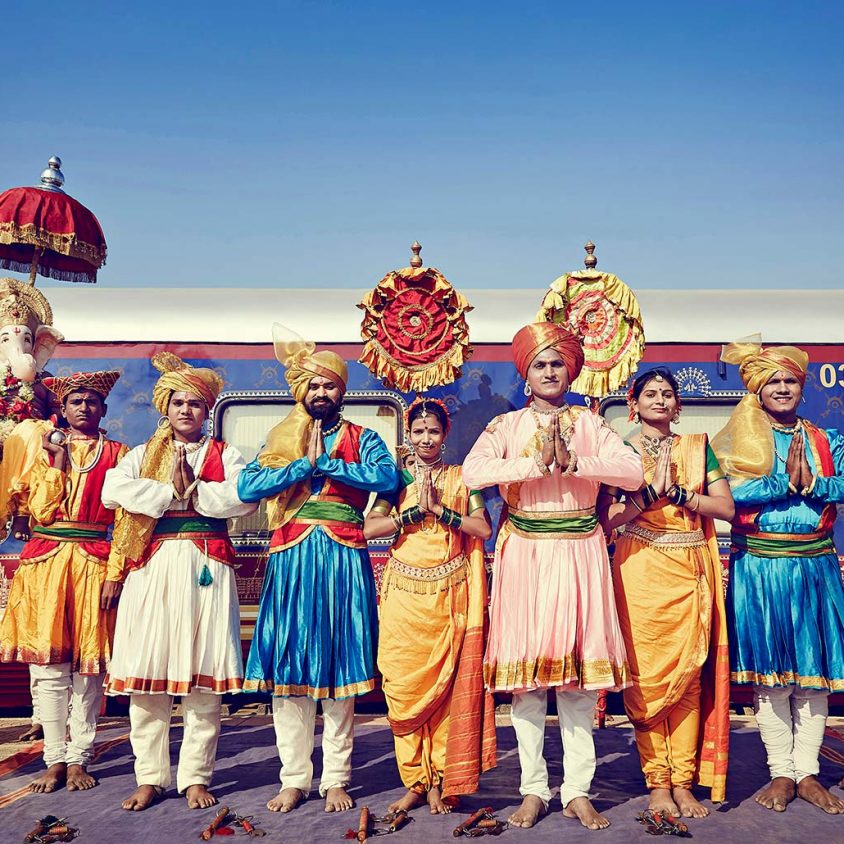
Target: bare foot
x,y
337,799
529,812
438,804
34,733
411,800
286,800
199,797
54,777
582,809
142,798
78,779
777,794
689,806
661,802
810,790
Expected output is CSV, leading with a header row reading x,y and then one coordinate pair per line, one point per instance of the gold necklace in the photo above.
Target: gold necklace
x,y
652,445
98,453
558,413
787,429
190,448
327,432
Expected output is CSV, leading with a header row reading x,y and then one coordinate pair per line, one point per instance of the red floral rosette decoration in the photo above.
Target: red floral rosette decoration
x,y
415,330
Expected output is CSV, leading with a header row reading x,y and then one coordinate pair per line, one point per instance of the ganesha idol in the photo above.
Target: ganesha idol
x,y
27,342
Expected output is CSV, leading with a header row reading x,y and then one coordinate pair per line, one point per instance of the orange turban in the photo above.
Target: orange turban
x,y
757,365
100,382
533,339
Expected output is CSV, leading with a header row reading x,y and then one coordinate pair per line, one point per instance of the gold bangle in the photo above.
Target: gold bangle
x,y
696,501
546,470
572,467
637,505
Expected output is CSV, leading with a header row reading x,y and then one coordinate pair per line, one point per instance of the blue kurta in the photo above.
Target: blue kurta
x,y
316,631
786,614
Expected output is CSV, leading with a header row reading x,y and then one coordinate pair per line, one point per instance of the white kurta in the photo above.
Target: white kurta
x,y
173,635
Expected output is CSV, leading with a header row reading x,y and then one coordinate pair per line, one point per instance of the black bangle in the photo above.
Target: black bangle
x,y
678,496
450,518
413,516
649,495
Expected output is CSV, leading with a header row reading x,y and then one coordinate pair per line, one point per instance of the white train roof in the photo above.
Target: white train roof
x,y
243,315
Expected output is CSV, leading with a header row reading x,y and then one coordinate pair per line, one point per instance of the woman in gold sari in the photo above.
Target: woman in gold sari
x,y
667,578
432,612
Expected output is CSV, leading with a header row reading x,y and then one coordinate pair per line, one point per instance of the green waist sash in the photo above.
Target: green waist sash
x,y
68,532
784,545
329,511
579,523
188,526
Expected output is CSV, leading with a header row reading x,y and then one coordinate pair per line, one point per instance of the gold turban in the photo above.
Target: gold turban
x,y
745,446
288,441
133,532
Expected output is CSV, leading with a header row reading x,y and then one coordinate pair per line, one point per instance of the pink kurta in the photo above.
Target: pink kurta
x,y
553,619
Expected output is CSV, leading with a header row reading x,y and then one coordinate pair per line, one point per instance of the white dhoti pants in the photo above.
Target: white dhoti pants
x,y
576,709
791,723
294,719
149,718
54,684
33,692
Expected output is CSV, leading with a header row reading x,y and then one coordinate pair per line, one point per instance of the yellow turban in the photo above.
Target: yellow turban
x,y
180,377
745,446
288,440
134,531
757,365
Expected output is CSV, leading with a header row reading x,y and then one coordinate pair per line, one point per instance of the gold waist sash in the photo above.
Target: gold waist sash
x,y
666,539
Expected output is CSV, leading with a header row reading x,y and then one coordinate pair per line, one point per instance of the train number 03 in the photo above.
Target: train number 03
x,y
830,373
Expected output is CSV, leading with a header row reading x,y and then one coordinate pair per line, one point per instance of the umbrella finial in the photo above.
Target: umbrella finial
x,y
590,260
52,178
416,258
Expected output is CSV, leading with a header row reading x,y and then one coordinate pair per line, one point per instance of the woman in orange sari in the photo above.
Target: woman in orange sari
x,y
670,599
432,611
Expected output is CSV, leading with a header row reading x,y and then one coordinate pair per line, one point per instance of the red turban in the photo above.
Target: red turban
x,y
533,339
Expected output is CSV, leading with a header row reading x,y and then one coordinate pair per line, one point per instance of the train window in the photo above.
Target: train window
x,y
243,420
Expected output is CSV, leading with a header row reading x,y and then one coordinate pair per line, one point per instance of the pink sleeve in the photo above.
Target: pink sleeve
x,y
485,465
614,463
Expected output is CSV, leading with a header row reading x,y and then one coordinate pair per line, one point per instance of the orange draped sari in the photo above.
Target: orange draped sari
x,y
431,645
670,598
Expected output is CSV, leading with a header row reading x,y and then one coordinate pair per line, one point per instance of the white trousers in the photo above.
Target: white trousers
x,y
576,709
294,719
33,692
53,685
149,719
791,723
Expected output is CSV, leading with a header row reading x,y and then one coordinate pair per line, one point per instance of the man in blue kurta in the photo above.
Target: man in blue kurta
x,y
315,635
785,605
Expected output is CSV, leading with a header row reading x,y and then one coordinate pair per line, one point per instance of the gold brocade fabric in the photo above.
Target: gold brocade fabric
x,y
745,445
671,609
288,440
431,649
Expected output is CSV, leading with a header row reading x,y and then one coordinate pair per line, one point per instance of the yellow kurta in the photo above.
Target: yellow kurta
x,y
433,607
669,594
53,613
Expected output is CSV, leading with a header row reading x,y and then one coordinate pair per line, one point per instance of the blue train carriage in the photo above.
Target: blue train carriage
x,y
229,330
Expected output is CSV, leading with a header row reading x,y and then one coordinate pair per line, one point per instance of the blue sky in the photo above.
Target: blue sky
x,y
293,144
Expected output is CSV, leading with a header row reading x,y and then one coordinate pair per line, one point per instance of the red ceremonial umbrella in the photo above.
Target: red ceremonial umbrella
x,y
43,230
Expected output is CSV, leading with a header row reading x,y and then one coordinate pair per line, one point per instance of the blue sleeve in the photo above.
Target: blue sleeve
x,y
831,490
256,481
376,472
762,490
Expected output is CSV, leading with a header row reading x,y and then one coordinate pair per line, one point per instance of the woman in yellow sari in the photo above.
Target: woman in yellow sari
x,y
667,578
432,613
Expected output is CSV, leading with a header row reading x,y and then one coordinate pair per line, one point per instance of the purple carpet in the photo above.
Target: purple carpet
x,y
247,776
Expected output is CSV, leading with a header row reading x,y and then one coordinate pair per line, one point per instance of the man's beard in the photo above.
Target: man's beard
x,y
324,409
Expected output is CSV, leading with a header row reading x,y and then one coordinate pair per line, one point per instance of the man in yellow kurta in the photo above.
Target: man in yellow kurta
x,y
60,614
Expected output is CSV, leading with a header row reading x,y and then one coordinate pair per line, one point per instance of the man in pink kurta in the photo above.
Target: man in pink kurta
x,y
553,621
